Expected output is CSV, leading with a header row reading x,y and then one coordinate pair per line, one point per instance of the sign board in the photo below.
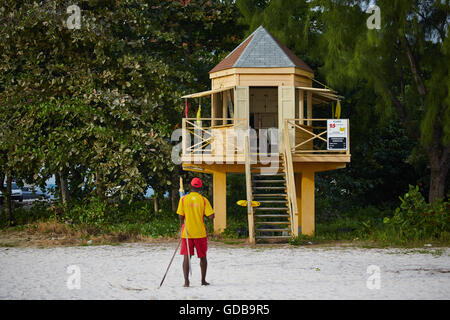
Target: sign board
x,y
337,134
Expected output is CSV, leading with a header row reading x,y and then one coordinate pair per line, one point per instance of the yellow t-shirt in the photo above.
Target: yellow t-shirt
x,y
194,207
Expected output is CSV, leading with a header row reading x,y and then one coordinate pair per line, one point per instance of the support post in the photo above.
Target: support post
x,y
224,107
183,137
213,109
307,202
301,105
309,107
220,201
297,219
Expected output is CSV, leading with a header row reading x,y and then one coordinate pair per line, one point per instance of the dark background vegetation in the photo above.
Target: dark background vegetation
x,y
96,108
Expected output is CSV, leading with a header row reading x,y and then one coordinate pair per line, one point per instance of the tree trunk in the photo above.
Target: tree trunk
x,y
155,202
7,201
77,180
100,187
65,196
439,165
175,194
57,184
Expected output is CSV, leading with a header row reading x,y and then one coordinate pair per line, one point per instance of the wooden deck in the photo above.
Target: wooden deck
x,y
207,147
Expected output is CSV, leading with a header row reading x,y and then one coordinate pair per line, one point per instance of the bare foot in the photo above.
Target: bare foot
x,y
186,284
204,283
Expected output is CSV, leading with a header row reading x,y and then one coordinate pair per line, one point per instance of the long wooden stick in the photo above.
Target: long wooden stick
x,y
187,244
168,267
181,191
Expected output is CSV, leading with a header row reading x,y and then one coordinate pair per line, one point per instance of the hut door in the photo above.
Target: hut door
x,y
286,110
241,106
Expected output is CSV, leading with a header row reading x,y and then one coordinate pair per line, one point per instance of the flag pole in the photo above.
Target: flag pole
x,y
185,227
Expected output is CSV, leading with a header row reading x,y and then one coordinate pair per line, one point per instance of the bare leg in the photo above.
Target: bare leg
x,y
186,270
203,267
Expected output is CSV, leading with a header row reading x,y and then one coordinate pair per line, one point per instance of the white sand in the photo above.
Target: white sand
x,y
134,271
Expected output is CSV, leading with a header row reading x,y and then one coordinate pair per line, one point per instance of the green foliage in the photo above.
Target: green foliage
x,y
159,227
93,212
39,211
99,217
333,38
293,22
236,191
237,227
417,219
405,63
98,104
378,159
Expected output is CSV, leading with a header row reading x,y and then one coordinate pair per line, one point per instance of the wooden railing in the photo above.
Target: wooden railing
x,y
248,183
202,138
290,182
310,136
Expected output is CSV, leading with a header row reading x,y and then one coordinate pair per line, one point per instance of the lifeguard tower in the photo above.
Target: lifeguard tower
x,y
262,124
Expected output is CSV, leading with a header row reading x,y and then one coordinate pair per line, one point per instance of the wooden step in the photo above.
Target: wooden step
x,y
271,216
273,201
279,174
269,181
273,222
270,209
273,230
269,195
270,188
272,169
272,237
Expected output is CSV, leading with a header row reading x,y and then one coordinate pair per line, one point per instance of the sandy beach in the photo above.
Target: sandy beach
x,y
134,271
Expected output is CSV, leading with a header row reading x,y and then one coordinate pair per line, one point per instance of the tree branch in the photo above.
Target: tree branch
x,y
445,156
430,22
2,182
399,105
401,110
414,68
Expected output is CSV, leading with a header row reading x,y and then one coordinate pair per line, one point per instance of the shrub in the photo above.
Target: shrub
x,y
417,219
88,212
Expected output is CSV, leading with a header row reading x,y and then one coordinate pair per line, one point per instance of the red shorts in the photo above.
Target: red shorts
x,y
200,244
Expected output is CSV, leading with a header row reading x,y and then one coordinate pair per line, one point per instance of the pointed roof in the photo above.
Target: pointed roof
x,y
261,50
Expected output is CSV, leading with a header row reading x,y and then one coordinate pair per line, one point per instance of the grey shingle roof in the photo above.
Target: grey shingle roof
x,y
261,50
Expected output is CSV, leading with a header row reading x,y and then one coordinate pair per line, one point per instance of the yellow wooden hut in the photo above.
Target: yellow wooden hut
x,y
263,89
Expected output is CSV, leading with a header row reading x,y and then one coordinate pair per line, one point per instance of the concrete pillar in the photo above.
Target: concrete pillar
x,y
220,201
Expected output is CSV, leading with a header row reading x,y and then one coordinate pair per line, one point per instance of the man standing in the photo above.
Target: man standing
x,y
192,209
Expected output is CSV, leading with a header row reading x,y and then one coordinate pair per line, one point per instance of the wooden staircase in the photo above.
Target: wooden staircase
x,y
274,188
272,219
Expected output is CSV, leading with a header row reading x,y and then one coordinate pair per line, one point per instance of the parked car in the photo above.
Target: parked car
x,y
16,193
30,192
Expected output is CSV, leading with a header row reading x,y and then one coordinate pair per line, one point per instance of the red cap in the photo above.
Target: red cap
x,y
196,182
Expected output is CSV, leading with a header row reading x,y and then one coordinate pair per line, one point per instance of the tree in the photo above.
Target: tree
x,y
17,159
103,99
406,62
325,34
